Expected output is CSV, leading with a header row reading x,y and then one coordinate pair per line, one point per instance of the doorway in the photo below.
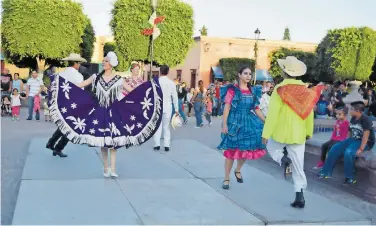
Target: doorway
x,y
193,78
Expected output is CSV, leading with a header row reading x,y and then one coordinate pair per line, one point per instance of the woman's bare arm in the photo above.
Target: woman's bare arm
x,y
85,83
194,96
259,114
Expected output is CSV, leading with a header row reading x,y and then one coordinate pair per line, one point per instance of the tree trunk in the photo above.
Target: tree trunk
x,y
41,63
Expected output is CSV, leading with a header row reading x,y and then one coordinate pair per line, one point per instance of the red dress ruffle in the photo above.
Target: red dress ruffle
x,y
238,154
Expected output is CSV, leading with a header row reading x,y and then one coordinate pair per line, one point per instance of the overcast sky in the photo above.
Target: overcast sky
x,y
308,20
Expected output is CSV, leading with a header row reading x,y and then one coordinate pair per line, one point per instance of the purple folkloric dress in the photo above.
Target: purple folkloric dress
x,y
109,120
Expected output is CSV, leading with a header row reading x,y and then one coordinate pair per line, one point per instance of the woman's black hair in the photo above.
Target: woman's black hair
x,y
201,88
241,69
97,80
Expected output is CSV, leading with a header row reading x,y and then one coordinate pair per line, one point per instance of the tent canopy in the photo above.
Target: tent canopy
x,y
218,74
263,75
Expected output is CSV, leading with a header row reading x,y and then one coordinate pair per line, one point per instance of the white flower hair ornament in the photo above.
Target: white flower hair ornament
x,y
112,59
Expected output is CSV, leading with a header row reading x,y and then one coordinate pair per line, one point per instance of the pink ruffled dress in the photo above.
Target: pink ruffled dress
x,y
133,82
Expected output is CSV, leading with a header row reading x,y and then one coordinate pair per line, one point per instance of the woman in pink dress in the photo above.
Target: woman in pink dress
x,y
135,80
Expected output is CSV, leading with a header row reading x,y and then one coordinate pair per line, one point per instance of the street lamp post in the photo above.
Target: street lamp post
x,y
257,37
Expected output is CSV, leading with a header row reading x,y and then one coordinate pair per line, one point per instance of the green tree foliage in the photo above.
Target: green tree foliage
x,y
88,40
108,47
307,57
38,32
130,17
372,77
347,53
231,66
286,35
204,31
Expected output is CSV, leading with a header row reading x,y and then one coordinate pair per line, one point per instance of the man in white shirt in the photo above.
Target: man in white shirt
x,y
34,88
170,96
58,141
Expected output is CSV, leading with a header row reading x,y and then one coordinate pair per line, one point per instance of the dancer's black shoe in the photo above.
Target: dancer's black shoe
x,y
59,153
50,146
226,184
238,179
286,163
299,200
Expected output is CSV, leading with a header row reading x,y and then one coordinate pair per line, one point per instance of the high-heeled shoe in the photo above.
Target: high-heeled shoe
x,y
238,179
226,186
113,174
107,175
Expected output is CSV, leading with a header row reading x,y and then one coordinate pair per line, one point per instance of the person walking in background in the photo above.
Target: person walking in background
x,y
189,100
182,93
216,100
198,103
209,109
264,102
170,97
34,89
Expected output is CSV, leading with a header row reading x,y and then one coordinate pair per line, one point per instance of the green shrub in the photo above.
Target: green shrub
x,y
130,17
308,58
347,53
231,66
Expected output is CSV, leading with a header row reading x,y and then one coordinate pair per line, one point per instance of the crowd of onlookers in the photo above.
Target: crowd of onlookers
x,y
14,90
206,103
332,97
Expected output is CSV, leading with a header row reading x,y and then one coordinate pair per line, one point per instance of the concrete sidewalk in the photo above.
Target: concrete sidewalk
x,y
179,187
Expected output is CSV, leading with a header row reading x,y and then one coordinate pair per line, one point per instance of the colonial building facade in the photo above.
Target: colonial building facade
x,y
204,56
207,51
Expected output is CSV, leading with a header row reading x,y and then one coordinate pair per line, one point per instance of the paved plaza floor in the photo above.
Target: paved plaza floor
x,y
179,187
182,186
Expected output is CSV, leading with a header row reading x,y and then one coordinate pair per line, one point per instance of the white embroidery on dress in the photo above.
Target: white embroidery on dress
x,y
129,129
66,89
80,124
114,130
92,110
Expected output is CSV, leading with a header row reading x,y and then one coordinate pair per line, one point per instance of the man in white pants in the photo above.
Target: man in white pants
x,y
170,96
290,122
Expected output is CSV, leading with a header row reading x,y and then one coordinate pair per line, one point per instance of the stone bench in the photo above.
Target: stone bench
x,y
365,162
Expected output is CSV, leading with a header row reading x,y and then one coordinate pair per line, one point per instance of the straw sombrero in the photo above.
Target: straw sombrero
x,y
74,57
292,66
176,122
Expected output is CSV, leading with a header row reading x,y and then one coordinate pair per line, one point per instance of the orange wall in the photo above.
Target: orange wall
x,y
192,61
213,49
24,72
